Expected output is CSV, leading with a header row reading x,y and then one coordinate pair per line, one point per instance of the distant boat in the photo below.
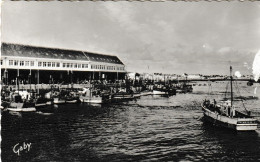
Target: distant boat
x,y
122,96
94,99
58,100
184,88
136,94
250,82
160,89
159,92
226,115
146,93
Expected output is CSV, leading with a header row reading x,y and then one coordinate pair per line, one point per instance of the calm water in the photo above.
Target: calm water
x,y
148,129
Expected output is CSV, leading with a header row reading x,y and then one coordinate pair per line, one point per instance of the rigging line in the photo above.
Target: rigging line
x,y
226,90
240,96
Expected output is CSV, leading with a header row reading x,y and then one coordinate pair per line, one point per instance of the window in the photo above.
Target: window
x,y
49,64
53,64
11,62
71,65
32,63
57,64
79,65
1,62
27,63
39,64
75,65
64,65
21,63
68,65
44,64
15,62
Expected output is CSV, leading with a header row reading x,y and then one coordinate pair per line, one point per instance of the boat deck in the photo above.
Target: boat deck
x,y
216,109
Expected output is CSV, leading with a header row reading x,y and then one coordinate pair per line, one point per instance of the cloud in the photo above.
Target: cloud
x,y
201,36
224,50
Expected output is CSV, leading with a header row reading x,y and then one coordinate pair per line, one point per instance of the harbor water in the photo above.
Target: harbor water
x,y
152,128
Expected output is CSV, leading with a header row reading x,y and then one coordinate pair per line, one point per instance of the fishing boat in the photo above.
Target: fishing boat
x,y
159,89
92,99
72,100
59,100
184,88
146,93
18,105
136,94
44,104
59,97
122,96
250,82
92,96
225,114
159,92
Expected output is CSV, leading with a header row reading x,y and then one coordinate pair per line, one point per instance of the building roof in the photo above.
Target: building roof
x,y
52,53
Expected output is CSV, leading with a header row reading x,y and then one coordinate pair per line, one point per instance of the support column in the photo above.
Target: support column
x,y
38,81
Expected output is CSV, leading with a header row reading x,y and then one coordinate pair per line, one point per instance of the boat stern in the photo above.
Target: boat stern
x,y
246,124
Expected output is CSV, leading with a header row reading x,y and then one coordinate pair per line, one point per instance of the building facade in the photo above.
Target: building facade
x,y
43,65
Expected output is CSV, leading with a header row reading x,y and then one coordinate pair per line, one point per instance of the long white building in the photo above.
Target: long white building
x,y
22,60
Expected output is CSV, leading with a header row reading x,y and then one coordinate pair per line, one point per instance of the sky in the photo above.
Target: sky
x,y
166,37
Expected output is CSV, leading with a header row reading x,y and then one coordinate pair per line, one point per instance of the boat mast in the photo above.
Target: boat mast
x,y
231,86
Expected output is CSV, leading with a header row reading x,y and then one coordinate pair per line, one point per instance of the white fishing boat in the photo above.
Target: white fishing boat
x,y
72,101
27,109
58,100
122,96
225,114
159,92
93,99
92,96
40,104
18,105
137,95
146,93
